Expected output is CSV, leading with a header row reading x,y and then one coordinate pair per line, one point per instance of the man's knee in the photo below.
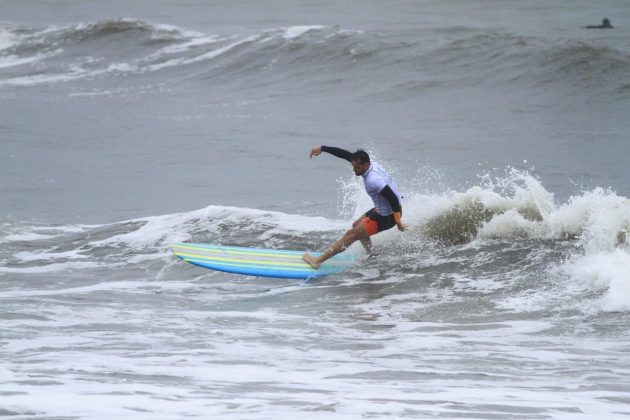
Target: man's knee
x,y
358,222
359,232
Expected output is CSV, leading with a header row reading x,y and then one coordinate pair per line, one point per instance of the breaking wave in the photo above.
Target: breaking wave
x,y
581,242
311,55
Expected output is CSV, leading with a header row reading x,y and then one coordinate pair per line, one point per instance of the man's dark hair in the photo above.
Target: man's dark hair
x,y
361,156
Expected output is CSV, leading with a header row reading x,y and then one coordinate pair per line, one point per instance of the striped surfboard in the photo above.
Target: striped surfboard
x,y
258,262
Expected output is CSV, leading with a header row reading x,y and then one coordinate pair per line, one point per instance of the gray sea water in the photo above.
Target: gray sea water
x,y
127,126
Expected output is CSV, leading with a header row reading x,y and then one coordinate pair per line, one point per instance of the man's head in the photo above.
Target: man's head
x,y
360,162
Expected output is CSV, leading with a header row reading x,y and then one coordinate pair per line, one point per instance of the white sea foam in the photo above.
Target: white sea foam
x,y
53,267
7,39
518,207
202,57
299,372
523,208
64,229
96,93
294,32
36,233
127,286
73,72
25,237
185,33
196,41
608,273
45,78
27,256
13,60
174,227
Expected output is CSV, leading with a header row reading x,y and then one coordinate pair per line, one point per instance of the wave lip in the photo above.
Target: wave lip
x,y
517,206
85,50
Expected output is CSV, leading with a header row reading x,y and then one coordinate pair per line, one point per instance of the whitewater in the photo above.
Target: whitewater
x,y
126,127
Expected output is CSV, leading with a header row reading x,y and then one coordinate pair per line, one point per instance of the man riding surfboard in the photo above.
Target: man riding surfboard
x,y
387,211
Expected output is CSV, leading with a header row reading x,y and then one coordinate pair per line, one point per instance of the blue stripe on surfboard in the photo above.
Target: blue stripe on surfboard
x,y
253,267
261,273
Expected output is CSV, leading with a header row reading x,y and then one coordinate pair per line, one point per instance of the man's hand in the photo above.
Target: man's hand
x,y
401,226
315,151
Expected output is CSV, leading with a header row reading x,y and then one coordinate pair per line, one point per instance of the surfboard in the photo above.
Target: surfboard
x,y
276,263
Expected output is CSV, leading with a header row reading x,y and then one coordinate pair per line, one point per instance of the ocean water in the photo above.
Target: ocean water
x,y
125,127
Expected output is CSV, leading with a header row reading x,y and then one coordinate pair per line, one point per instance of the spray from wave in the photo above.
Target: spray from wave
x,y
589,231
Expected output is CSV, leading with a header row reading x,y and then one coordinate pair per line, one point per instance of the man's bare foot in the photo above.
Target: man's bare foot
x,y
312,261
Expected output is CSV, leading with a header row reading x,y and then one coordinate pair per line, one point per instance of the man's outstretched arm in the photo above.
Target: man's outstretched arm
x,y
335,151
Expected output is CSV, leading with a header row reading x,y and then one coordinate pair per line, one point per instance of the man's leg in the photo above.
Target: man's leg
x,y
357,233
366,242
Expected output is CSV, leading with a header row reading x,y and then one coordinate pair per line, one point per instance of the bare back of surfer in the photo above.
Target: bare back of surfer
x,y
387,211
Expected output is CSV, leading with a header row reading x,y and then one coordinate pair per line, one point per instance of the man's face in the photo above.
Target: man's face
x,y
359,168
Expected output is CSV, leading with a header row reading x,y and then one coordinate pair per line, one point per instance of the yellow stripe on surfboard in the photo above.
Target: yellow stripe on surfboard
x,y
240,252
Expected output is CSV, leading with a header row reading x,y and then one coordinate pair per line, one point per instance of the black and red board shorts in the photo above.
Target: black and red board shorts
x,y
375,223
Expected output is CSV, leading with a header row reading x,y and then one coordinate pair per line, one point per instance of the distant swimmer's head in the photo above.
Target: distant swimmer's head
x,y
360,162
605,25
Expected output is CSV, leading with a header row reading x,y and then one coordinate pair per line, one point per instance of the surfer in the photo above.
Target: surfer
x,y
605,25
381,188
